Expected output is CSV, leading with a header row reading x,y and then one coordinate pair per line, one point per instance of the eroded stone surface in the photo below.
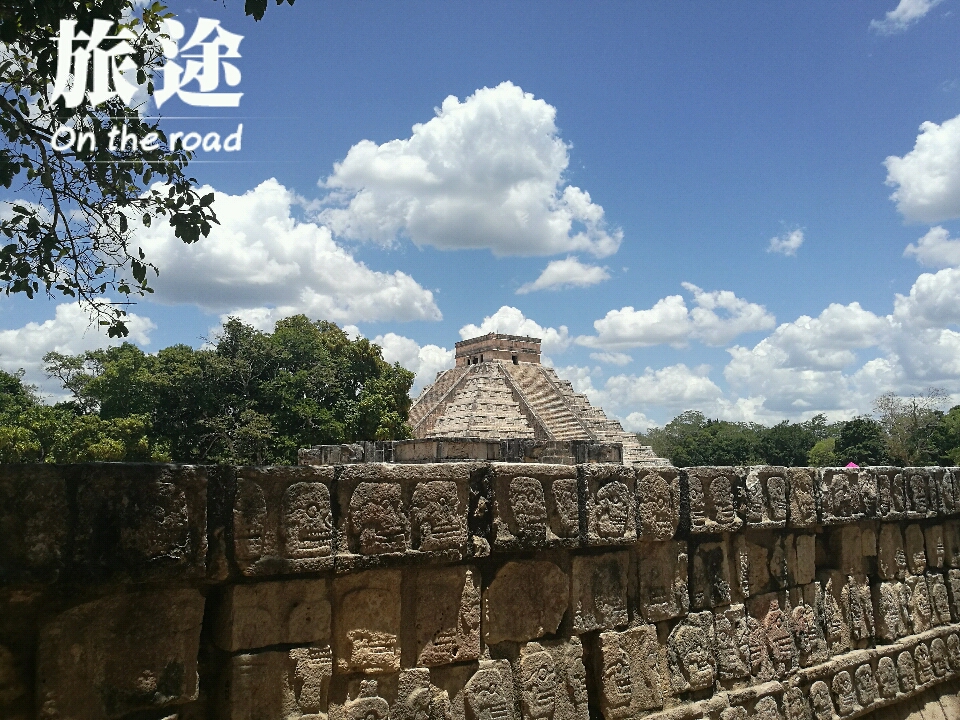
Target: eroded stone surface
x,y
599,591
766,497
447,615
710,577
273,613
690,657
611,506
122,653
658,503
662,571
525,601
535,505
629,675
366,629
277,684
552,681
710,491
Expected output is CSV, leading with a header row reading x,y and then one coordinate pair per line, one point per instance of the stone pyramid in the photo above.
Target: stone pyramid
x,y
498,389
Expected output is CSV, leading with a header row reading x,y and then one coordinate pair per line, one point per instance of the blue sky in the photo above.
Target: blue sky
x,y
691,203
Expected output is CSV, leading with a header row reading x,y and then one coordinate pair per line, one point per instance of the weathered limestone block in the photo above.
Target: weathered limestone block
x,y
525,601
801,484
766,708
438,516
751,562
891,553
490,693
119,654
891,494
915,550
858,606
939,600
804,569
552,681
836,623
941,491
795,705
710,495
690,657
923,664
843,690
808,635
953,651
841,497
822,701
598,591
282,520
629,673
919,609
140,522
938,657
710,577
953,589
951,544
366,626
279,684
906,669
33,523
446,607
846,549
367,700
658,503
919,505
735,712
390,509
935,545
766,497
662,570
611,504
773,612
761,659
888,684
293,612
417,698
536,506
867,692
891,611
732,643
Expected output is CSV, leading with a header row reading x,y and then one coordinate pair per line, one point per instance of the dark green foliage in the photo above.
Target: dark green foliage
x,y
253,398
861,441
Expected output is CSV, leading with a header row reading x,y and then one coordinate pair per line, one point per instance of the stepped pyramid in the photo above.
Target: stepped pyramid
x,y
498,389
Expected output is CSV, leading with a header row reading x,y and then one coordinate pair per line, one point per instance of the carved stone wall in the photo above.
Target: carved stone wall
x,y
478,591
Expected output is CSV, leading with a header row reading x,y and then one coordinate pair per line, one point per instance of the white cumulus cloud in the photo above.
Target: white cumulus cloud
x,y
935,249
786,244
69,332
716,318
262,264
905,14
425,361
567,273
511,321
612,358
928,177
487,172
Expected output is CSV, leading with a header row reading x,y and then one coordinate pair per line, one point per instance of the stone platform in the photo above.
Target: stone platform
x,y
478,591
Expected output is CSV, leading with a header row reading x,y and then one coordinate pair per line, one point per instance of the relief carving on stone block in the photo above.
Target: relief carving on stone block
x,y
802,497
923,664
629,672
888,685
611,506
710,492
906,669
732,643
939,600
811,644
529,510
249,521
662,570
783,650
307,520
378,522
795,705
367,621
439,520
489,692
599,591
710,576
658,503
891,494
891,553
938,657
567,503
822,701
154,522
847,703
766,497
867,692
841,496
690,657
552,681
447,615
918,503
368,705
766,708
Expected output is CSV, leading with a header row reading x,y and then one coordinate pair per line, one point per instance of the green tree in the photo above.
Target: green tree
x,y
69,232
253,398
910,425
861,441
691,439
945,437
823,453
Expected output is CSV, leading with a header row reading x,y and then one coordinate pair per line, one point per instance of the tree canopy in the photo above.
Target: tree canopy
x,y
251,398
67,229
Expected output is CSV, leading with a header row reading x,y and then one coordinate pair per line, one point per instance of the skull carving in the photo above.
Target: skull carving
x,y
539,674
486,699
307,521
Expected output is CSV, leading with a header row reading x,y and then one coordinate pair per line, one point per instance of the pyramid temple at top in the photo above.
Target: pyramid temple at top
x,y
498,389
